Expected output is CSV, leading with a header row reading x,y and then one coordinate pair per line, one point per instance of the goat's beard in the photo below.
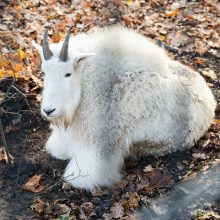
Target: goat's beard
x,y
66,118
62,121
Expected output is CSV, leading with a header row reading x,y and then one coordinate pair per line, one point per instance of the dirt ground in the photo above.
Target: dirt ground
x,y
188,30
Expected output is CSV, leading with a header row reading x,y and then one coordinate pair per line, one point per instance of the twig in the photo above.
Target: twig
x,y
62,178
19,166
79,174
3,140
22,95
167,47
9,88
57,183
54,170
16,113
72,174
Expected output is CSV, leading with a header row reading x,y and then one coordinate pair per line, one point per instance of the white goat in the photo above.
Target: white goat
x,y
112,88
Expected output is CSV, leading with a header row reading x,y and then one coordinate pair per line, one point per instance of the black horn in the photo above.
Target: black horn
x,y
46,49
64,50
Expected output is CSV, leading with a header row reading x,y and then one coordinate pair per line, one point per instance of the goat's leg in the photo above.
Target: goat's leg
x,y
60,144
89,168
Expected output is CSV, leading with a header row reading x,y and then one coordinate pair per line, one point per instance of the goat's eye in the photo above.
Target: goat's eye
x,y
68,75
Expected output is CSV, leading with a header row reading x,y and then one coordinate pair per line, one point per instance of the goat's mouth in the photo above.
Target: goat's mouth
x,y
61,120
51,117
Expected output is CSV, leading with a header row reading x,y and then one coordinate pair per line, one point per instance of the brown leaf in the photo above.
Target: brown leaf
x,y
61,209
57,36
39,206
21,53
199,155
172,13
33,184
87,210
4,62
97,192
216,162
189,176
11,128
210,74
66,186
201,48
17,67
117,211
3,155
124,202
198,60
121,184
143,184
87,4
159,179
133,199
148,168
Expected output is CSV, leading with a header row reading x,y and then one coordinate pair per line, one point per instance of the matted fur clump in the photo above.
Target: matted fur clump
x,y
111,88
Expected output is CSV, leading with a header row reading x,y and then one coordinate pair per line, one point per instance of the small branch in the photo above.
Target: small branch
x,y
167,47
19,167
15,88
54,170
16,113
9,88
4,141
72,174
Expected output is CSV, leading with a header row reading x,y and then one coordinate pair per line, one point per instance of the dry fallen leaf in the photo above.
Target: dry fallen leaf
x,y
204,214
159,179
38,206
201,48
189,176
33,184
66,186
205,143
117,211
97,192
3,155
216,162
87,210
198,60
210,74
133,199
61,209
143,184
21,52
199,155
17,67
172,13
121,184
148,168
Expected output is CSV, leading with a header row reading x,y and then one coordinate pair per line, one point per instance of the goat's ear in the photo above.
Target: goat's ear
x,y
38,48
80,58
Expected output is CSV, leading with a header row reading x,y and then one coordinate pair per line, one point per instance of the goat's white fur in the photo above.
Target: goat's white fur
x,y
126,90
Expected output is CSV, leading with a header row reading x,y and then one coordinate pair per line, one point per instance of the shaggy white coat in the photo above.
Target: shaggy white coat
x,y
123,89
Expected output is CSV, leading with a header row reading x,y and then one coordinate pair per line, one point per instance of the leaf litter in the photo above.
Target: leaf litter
x,y
190,27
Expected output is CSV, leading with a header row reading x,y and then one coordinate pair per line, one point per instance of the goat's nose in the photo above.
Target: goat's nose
x,y
49,111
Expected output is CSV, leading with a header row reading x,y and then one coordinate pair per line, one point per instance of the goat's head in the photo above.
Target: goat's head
x,y
62,90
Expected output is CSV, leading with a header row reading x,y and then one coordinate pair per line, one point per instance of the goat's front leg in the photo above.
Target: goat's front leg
x,y
90,168
60,144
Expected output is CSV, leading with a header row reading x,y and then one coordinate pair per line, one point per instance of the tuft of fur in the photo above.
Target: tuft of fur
x,y
126,91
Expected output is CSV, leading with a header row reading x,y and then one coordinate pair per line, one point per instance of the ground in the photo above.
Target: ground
x,y
189,32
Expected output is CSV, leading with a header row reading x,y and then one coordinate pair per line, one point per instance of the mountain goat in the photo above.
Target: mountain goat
x,y
111,88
